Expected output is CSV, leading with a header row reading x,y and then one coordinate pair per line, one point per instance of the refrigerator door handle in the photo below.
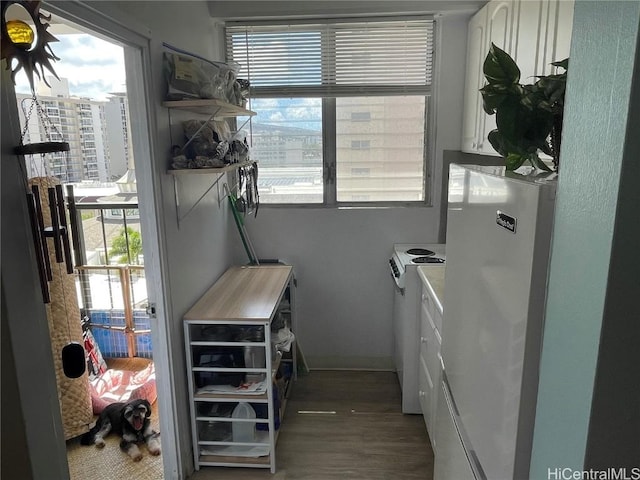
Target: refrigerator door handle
x,y
474,463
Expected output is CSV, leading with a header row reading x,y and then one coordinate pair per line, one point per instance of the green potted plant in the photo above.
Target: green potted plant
x,y
528,117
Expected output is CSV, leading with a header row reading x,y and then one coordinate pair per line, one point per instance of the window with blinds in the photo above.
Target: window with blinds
x,y
342,107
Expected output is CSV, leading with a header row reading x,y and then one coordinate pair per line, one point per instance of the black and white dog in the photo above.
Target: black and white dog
x,y
129,420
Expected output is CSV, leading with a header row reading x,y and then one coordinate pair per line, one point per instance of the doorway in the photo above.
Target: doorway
x,y
130,224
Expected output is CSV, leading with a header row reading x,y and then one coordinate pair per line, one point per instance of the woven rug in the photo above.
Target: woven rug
x,y
87,462
110,463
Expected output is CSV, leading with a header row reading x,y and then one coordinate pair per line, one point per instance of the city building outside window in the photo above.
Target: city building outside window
x,y
335,99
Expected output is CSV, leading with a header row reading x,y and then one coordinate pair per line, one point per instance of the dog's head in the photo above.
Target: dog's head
x,y
136,412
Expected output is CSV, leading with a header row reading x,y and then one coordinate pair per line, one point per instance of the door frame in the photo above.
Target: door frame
x,y
24,321
104,20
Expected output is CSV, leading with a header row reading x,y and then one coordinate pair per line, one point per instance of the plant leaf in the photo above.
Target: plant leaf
x,y
499,67
497,142
538,163
546,148
533,98
562,64
493,96
524,113
502,145
513,119
539,127
553,87
514,161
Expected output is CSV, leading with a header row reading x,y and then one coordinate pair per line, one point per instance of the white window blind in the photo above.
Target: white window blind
x,y
334,59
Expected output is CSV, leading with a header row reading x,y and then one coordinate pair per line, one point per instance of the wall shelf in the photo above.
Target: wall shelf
x,y
208,171
213,108
209,106
183,211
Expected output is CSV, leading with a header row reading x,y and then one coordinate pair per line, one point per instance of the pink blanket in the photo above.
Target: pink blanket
x,y
121,386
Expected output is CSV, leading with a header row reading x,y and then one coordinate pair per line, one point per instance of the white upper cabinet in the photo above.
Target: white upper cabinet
x,y
534,32
529,39
500,27
543,37
473,81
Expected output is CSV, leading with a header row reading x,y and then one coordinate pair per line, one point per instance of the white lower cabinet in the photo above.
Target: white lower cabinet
x,y
427,394
451,461
430,367
238,377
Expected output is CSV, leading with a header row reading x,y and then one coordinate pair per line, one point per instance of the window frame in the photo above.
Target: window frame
x,y
329,140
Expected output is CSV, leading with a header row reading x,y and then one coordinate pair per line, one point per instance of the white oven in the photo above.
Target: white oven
x,y
404,261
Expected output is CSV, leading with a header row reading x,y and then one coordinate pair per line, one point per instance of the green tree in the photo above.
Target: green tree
x,y
123,250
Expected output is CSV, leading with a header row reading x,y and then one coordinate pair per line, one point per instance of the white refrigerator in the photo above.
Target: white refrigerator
x,y
499,230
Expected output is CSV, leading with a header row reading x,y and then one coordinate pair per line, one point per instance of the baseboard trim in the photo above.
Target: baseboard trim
x,y
384,364
351,369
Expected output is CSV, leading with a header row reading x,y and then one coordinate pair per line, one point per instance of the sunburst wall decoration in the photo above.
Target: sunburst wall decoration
x,y
25,49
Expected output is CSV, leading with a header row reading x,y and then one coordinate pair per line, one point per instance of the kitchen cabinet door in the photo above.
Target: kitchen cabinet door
x,y
451,458
534,32
543,36
559,24
473,112
529,39
492,24
501,23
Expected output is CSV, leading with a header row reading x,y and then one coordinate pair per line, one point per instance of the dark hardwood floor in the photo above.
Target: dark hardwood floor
x,y
344,425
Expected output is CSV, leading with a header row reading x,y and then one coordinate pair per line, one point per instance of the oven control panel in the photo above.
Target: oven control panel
x,y
394,268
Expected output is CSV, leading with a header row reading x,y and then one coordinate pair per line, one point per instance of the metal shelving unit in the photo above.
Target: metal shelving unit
x,y
213,109
233,316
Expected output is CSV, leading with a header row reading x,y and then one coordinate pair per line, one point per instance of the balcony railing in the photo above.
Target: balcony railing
x,y
118,319
110,279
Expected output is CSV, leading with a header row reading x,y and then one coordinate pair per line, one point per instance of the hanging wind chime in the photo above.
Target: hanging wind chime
x,y
22,48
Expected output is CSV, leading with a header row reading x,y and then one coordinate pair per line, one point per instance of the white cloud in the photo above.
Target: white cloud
x,y
264,103
276,117
93,66
305,113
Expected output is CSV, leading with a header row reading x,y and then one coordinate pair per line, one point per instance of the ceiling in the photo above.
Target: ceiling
x,y
268,9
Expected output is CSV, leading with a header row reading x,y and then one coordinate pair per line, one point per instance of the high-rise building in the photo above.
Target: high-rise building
x,y
97,133
116,111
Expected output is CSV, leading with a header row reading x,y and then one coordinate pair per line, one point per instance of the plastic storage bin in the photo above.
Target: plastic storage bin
x,y
244,431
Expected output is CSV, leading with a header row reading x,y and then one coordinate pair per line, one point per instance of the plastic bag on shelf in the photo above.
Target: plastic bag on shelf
x,y
204,140
283,339
190,76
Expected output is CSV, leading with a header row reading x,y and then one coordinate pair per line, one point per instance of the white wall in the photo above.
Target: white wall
x,y
198,250
340,256
198,247
320,8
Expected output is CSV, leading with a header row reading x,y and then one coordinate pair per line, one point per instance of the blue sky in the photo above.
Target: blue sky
x,y
92,66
